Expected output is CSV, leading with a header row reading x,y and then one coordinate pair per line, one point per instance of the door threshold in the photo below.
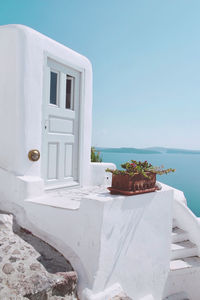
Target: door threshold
x,y
62,186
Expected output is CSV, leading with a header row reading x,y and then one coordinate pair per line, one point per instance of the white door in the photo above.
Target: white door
x,y
61,125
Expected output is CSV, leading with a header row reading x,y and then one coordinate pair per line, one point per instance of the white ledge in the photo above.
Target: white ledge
x,y
71,198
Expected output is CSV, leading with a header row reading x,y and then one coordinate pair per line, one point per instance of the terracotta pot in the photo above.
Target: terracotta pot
x,y
133,183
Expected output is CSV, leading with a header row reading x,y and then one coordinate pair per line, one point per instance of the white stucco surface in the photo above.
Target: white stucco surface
x,y
108,239
98,174
22,56
185,275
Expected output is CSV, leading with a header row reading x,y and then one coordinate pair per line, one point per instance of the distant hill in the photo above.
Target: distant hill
x,y
128,150
183,151
151,150
174,150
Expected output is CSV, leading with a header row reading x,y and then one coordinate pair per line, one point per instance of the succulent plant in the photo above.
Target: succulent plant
x,y
137,167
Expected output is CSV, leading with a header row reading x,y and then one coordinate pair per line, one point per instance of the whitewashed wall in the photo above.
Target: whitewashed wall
x,y
22,54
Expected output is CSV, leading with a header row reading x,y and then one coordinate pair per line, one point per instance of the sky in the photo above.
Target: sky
x,y
146,64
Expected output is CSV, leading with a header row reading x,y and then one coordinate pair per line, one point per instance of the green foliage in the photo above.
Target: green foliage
x,y
137,167
95,156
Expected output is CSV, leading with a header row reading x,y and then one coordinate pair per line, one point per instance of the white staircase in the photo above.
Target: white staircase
x,y
184,277
184,254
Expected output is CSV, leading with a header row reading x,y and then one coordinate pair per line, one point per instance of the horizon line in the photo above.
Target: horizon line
x,y
142,148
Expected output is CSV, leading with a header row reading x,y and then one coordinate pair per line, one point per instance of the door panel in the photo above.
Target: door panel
x,y
52,161
68,160
60,125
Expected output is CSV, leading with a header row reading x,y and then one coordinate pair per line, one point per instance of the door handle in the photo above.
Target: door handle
x,y
34,155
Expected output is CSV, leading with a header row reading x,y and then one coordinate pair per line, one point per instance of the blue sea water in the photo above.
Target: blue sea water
x,y
186,177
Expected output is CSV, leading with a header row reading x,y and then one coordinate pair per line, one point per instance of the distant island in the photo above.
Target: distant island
x,y
151,150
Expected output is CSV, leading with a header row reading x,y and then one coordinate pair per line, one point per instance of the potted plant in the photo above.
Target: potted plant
x,y
136,178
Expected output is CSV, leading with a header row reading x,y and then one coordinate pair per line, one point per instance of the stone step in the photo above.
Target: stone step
x,y
185,264
179,235
64,287
178,296
183,249
31,268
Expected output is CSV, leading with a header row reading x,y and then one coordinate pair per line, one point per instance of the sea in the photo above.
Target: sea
x,y
186,178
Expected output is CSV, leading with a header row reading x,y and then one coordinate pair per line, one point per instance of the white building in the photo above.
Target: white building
x,y
114,242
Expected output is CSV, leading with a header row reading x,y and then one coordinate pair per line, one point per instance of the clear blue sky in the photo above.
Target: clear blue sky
x,y
146,63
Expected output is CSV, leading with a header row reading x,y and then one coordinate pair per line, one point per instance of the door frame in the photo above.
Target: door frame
x,y
47,55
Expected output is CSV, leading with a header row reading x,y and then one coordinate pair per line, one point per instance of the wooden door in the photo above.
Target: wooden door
x,y
61,125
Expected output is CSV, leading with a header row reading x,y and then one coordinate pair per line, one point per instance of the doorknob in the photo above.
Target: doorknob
x,y
34,155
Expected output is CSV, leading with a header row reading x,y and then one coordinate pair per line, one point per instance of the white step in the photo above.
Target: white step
x,y
183,249
185,264
179,235
179,296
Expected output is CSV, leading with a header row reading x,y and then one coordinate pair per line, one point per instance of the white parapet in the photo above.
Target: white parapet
x,y
98,174
108,239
